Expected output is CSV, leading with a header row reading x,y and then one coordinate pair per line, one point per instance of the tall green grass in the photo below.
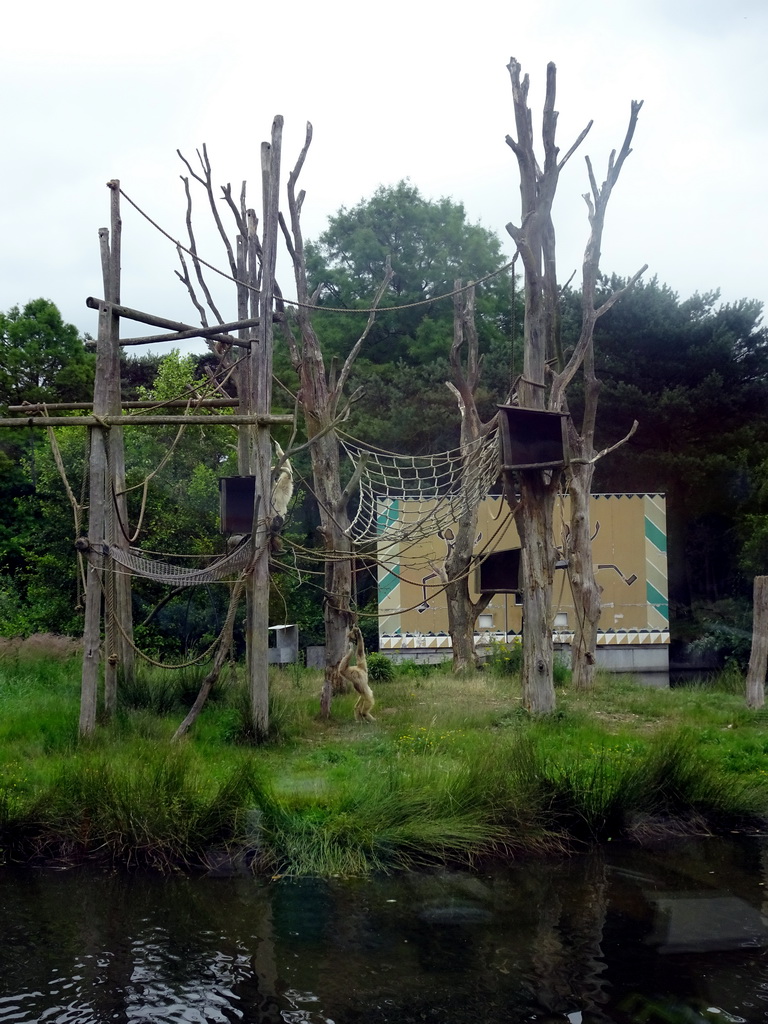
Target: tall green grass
x,y
156,808
38,706
453,770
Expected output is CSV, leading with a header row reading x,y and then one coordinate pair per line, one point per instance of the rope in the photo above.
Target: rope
x,y
171,575
193,402
77,506
443,487
425,562
475,560
308,305
185,664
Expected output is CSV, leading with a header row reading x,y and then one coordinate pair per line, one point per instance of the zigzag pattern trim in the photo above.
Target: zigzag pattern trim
x,y
607,638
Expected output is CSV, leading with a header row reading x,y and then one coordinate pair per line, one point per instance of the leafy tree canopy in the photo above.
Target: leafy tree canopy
x,y
694,373
41,357
430,243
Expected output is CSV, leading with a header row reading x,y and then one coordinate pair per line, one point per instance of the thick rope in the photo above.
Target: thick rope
x,y
77,506
308,305
443,487
160,664
164,572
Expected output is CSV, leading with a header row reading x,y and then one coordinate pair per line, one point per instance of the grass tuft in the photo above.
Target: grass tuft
x,y
157,810
452,771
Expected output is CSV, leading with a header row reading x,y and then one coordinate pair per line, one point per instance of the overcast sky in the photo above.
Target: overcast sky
x,y
409,88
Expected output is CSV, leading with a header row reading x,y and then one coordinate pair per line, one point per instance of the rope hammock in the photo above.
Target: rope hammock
x,y
175,576
405,497
401,498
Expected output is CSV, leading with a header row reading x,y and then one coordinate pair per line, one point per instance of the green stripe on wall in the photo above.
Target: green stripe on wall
x,y
656,536
389,516
388,583
659,601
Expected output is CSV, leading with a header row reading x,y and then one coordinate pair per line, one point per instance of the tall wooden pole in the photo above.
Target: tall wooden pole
x,y
97,488
106,502
758,661
260,401
119,618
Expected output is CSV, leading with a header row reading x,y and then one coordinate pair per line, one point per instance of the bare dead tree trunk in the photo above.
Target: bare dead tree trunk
x,y
334,522
320,394
535,524
535,240
581,451
534,511
758,659
581,572
252,265
462,610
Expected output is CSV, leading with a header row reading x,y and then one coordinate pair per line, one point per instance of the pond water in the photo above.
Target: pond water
x,y
674,933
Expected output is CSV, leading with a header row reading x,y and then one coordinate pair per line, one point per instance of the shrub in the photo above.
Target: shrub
x,y
506,659
561,672
729,644
408,669
380,668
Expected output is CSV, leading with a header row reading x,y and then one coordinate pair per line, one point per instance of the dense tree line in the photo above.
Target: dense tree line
x,y
693,372
42,359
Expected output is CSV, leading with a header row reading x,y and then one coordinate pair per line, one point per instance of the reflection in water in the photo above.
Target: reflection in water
x,y
672,935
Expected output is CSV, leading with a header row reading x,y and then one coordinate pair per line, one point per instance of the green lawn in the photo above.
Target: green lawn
x,y
452,770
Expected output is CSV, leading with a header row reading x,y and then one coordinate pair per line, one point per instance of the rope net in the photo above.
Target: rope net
x,y
400,498
175,576
436,490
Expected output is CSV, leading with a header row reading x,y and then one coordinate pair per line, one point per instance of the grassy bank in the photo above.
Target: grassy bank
x,y
452,770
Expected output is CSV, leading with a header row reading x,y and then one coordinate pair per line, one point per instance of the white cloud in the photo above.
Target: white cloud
x,y
91,92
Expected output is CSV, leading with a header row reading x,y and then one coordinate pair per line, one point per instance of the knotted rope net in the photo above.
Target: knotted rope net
x,y
176,576
406,497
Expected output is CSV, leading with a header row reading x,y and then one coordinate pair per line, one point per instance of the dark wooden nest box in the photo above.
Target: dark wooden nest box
x,y
236,497
500,573
531,438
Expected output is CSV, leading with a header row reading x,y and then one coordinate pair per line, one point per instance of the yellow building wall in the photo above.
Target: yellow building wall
x,y
629,551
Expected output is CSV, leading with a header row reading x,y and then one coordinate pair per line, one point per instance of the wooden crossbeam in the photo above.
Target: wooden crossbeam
x,y
261,420
176,403
181,331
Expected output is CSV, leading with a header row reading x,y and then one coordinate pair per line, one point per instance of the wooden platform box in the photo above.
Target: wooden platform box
x,y
531,438
236,495
499,573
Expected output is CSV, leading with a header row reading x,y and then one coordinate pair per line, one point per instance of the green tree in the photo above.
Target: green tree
x,y
694,373
403,366
173,504
430,243
41,357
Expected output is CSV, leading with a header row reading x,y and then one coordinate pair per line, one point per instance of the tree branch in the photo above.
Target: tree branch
x,y
597,206
236,213
612,448
185,280
615,296
207,182
354,480
197,265
349,361
582,135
